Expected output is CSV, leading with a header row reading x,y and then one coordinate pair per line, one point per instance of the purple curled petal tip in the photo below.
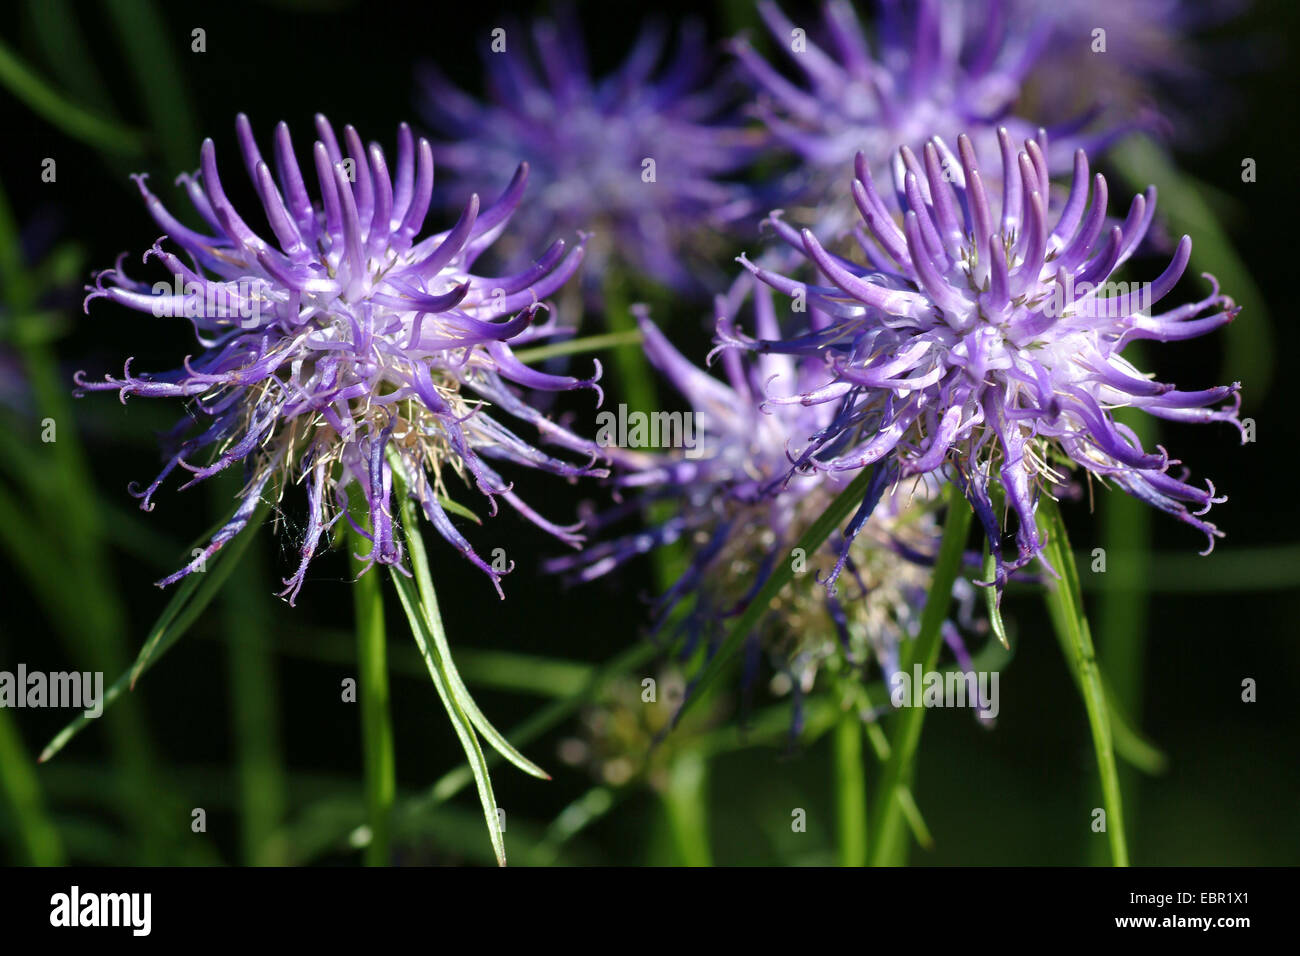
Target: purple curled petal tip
x,y
315,346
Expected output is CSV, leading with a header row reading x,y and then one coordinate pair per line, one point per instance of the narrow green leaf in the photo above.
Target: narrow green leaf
x,y
460,722
207,584
573,819
433,618
192,597
461,776
589,343
991,599
429,605
150,56
26,85
1065,606
887,820
547,718
915,822
65,49
38,837
458,509
1131,744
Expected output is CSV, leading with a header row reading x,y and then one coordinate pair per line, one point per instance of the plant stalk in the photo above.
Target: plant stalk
x,y
379,766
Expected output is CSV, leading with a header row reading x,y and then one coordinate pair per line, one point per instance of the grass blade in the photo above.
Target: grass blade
x,y
429,605
39,837
406,592
433,618
192,597
573,819
159,80
991,599
58,32
888,821
43,100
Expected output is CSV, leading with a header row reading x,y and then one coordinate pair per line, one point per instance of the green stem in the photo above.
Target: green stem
x,y
889,819
628,338
1122,614
685,802
372,691
1065,605
633,367
850,790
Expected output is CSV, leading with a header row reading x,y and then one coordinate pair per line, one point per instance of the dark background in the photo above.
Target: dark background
x,y
1017,794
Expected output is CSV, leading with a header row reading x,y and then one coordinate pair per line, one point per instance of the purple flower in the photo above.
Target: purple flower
x,y
938,68
734,504
1130,53
638,157
985,339
350,347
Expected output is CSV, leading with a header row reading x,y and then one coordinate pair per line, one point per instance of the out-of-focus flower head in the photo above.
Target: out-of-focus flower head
x,y
937,68
623,736
348,346
740,513
639,157
984,340
1133,55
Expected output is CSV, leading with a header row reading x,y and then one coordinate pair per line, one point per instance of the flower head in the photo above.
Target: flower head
x,y
1129,53
987,338
348,348
741,514
639,157
937,68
